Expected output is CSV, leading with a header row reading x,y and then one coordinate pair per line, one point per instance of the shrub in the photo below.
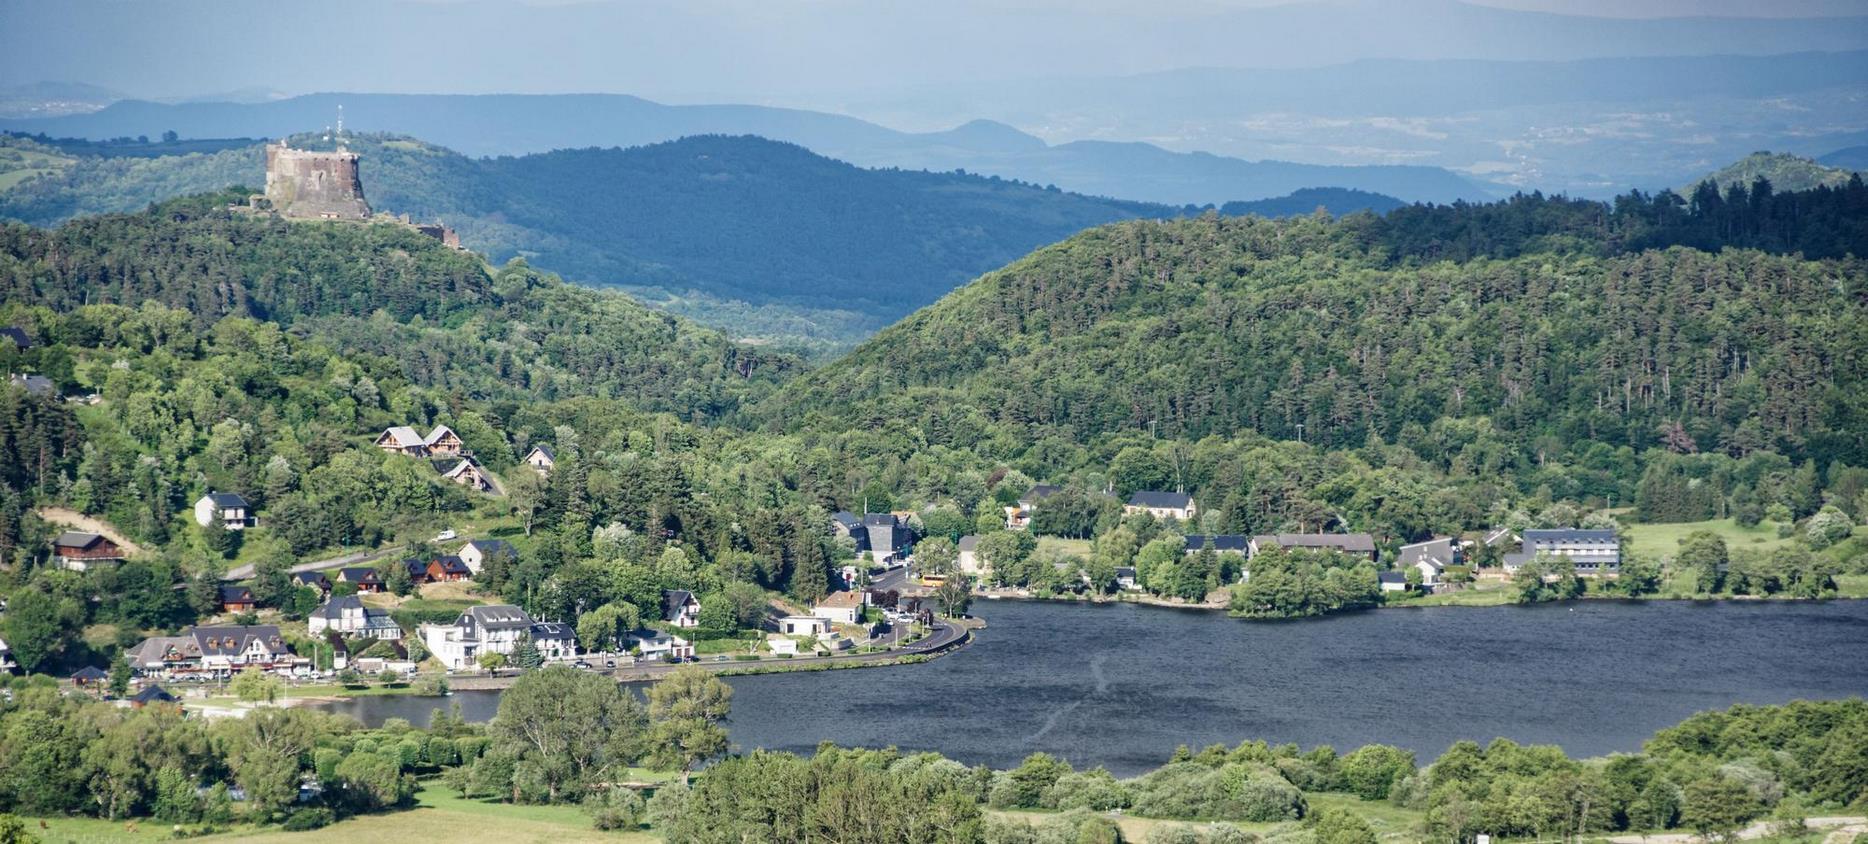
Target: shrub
x,y
615,808
1096,790
305,820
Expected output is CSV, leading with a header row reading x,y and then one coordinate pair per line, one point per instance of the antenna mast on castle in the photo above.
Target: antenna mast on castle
x,y
340,126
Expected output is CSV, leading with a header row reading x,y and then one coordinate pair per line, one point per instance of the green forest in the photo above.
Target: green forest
x,y
1537,362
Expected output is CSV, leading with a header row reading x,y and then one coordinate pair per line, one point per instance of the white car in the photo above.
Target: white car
x,y
445,535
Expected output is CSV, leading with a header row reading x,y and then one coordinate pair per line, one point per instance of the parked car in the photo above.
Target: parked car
x,y
446,535
720,658
582,664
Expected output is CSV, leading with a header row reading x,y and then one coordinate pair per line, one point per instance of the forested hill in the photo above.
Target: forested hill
x,y
1342,331
386,289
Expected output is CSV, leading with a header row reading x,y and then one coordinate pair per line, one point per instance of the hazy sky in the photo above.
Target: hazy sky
x,y
811,52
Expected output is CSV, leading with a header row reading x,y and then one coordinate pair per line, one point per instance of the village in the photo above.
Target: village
x,y
886,603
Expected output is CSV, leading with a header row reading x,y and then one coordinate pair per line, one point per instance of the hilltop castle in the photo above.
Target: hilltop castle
x,y
314,185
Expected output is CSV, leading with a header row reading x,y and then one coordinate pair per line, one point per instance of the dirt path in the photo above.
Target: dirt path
x,y
1842,831
79,521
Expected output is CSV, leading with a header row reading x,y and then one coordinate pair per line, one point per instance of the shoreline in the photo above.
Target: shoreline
x,y
1423,602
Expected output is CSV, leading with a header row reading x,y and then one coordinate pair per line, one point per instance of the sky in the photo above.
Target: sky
x,y
815,53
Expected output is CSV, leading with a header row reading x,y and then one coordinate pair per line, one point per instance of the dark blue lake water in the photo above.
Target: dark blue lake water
x,y
1121,685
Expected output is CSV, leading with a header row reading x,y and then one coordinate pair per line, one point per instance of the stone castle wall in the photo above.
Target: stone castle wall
x,y
315,185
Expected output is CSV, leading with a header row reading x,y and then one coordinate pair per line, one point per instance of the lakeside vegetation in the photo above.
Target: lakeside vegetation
x,y
563,753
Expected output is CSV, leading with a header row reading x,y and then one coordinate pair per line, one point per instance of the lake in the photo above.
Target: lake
x,y
1121,685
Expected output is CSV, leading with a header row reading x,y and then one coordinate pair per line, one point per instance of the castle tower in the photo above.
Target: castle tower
x,y
314,185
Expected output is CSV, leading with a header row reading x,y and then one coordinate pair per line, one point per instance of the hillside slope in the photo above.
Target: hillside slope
x,y
763,238
1784,172
1333,332
386,289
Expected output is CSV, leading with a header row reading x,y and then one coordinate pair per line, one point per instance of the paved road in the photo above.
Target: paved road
x,y
896,578
246,571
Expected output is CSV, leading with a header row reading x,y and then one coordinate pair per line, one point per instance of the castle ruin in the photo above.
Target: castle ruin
x,y
314,185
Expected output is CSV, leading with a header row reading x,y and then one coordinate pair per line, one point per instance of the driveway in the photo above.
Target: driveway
x,y
355,558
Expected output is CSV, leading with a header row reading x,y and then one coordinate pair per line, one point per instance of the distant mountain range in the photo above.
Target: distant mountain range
x,y
761,237
519,124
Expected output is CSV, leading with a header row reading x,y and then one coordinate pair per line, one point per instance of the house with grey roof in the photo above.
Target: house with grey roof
x,y
401,439
542,459
680,608
37,385
476,552
1161,505
77,550
969,561
1593,553
17,336
217,651
1430,558
1353,544
346,614
496,628
1224,543
230,507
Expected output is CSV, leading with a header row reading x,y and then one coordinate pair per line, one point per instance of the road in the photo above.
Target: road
x,y
1841,830
351,559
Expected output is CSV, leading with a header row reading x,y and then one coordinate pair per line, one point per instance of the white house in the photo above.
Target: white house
x,y
782,645
1125,579
969,555
840,607
218,651
680,608
1430,558
347,615
654,644
494,629
803,625
1392,581
6,659
1162,505
476,552
229,506
542,459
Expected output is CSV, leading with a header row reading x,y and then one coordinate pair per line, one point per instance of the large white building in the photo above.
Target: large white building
x,y
495,629
346,614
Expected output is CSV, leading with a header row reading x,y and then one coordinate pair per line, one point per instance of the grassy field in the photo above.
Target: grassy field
x,y
439,815
1663,540
1080,547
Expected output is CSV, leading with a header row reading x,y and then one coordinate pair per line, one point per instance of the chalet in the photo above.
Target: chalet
x,y
442,441
401,439
1594,553
1430,558
468,473
313,579
493,629
1223,543
237,599
214,652
1353,544
80,551
1162,505
89,676
803,625
36,385
476,552
229,507
347,615
1392,581
680,608
444,569
542,459
654,644
364,578
840,607
968,546
1125,579
152,693
17,336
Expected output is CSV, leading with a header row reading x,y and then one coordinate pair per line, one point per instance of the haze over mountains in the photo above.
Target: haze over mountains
x,y
518,124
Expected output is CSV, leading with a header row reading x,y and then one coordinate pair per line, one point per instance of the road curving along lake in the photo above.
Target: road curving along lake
x,y
1121,685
